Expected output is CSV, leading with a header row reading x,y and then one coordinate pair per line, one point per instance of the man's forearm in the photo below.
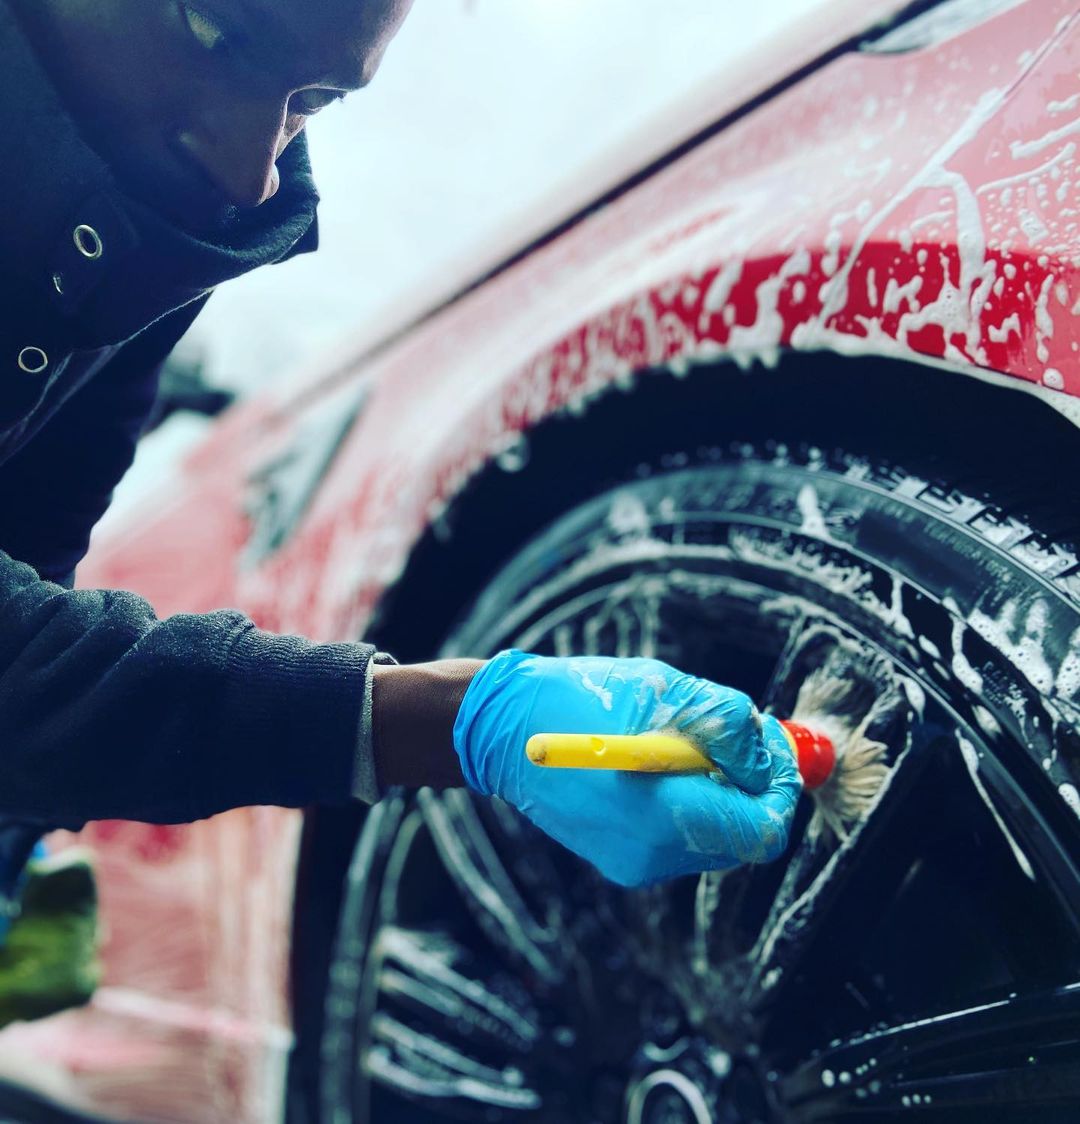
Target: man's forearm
x,y
413,711
107,712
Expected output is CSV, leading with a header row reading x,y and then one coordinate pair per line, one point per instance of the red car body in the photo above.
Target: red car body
x,y
922,204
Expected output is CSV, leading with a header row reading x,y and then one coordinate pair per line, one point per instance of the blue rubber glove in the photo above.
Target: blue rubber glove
x,y
635,828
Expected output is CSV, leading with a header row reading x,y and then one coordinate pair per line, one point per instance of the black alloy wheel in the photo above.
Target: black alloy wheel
x,y
927,966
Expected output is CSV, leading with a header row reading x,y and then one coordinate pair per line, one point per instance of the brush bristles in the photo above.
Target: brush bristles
x,y
860,773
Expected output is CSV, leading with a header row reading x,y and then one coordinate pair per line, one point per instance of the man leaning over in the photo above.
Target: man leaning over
x,y
155,149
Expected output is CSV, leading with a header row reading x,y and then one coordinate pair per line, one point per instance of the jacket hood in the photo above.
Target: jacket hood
x,y
54,184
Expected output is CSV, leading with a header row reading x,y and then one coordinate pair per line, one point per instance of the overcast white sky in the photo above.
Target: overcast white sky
x,y
480,106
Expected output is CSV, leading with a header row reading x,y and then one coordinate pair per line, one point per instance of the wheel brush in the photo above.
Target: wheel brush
x,y
842,768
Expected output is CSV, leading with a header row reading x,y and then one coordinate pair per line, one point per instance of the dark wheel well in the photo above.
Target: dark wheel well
x,y
927,416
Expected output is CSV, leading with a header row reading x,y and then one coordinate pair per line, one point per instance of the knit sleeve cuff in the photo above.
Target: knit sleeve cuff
x,y
366,786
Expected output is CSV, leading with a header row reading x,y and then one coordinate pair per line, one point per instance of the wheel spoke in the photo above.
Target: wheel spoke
x,y
481,876
421,1066
419,967
1018,1054
439,1032
785,662
825,919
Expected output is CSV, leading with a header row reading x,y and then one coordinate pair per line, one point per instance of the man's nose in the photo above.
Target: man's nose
x,y
237,146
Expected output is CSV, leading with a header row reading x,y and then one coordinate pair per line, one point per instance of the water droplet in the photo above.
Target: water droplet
x,y
906,1101
845,1078
828,1078
720,1062
1071,797
515,456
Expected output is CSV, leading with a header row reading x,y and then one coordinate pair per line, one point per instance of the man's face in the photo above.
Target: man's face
x,y
192,103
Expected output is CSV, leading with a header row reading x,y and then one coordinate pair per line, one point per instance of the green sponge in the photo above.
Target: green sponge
x,y
49,962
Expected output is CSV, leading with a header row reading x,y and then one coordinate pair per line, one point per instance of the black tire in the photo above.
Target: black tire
x,y
929,963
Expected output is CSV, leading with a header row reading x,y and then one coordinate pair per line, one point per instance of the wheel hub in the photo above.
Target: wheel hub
x,y
694,1082
667,1096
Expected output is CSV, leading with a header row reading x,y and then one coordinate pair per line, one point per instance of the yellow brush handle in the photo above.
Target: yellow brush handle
x,y
637,753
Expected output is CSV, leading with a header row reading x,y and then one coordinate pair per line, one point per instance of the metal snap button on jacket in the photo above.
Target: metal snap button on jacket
x,y
88,242
33,360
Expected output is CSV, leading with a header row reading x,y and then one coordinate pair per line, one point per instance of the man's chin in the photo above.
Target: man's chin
x,y
195,216
190,206
218,222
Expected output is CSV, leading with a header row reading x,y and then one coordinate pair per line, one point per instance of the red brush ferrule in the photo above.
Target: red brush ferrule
x,y
815,753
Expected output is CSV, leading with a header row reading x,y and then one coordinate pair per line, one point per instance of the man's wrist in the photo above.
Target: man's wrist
x,y
414,707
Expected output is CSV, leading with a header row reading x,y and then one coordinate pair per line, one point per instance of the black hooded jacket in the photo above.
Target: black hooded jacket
x,y
106,711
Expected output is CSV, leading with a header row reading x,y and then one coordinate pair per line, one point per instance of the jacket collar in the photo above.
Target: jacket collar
x,y
54,184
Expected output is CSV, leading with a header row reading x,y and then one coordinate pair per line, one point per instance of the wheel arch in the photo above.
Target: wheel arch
x,y
663,417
